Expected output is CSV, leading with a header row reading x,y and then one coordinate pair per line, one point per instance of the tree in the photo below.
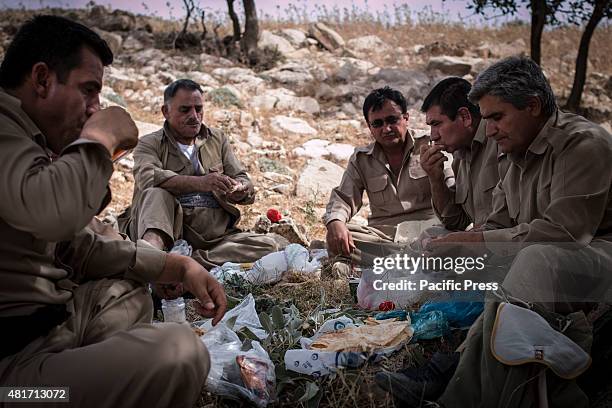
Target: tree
x,y
251,32
548,12
600,9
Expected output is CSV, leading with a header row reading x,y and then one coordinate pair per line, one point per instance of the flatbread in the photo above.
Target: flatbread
x,y
364,338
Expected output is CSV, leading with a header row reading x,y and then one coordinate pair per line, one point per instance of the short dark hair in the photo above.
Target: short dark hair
x,y
450,94
515,80
173,88
375,100
54,40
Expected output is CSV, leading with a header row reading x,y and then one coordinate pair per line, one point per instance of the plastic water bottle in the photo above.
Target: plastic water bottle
x,y
174,310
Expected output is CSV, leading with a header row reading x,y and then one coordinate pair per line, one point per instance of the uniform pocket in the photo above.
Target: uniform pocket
x,y
376,187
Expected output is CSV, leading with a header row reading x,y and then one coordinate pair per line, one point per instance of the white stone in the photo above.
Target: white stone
x,y
297,38
144,128
452,65
370,43
317,180
340,151
282,123
269,40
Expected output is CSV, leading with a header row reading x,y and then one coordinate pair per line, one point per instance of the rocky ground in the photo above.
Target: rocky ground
x,y
295,123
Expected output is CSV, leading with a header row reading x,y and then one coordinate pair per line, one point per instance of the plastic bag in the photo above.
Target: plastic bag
x,y
246,316
181,247
459,314
429,325
236,372
370,295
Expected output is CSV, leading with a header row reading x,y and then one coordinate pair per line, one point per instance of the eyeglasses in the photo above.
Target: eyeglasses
x,y
389,120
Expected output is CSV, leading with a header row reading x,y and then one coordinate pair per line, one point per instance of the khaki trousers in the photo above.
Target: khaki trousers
x,y
110,355
160,210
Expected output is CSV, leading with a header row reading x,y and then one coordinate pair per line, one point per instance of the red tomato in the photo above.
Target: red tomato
x,y
386,306
273,215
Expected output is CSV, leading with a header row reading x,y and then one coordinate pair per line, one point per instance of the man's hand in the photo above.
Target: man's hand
x,y
113,127
432,161
339,240
217,182
197,280
238,192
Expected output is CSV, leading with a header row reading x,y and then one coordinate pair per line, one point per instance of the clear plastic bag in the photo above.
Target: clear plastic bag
x,y
429,325
245,316
181,247
235,372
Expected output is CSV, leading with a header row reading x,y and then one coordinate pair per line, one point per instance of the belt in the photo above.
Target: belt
x,y
194,200
24,329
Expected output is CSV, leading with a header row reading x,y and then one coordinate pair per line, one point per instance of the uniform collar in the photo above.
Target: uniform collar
x,y
540,143
13,105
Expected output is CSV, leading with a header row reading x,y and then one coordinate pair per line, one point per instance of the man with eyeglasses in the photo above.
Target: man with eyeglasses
x,y
389,170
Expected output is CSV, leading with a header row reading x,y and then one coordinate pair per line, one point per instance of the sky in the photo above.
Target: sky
x,y
453,10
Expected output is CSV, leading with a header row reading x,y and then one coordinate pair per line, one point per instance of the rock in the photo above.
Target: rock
x,y
282,98
287,229
414,84
202,78
269,40
438,48
284,189
327,37
452,65
314,148
277,177
297,38
108,97
352,69
324,92
317,180
117,20
224,97
262,225
145,128
229,73
263,102
341,151
282,124
349,109
208,61
295,75
254,139
113,40
371,43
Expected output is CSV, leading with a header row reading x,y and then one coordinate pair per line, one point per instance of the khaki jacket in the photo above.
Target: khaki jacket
x,y
158,158
477,172
393,199
45,249
559,191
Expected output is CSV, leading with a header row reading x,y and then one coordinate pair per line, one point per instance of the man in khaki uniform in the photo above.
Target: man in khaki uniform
x,y
457,128
553,214
187,182
74,309
389,171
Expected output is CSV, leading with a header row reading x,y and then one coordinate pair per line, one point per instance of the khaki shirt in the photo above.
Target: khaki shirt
x,y
393,198
477,172
45,249
559,191
158,158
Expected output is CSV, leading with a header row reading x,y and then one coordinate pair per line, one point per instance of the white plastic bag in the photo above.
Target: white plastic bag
x,y
246,316
238,373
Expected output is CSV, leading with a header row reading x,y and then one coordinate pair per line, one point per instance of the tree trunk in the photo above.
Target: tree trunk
x,y
538,20
573,102
251,32
235,21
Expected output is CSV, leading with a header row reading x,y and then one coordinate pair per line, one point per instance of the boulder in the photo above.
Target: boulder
x,y
314,148
317,180
368,43
340,151
297,38
113,40
328,38
286,124
452,65
269,40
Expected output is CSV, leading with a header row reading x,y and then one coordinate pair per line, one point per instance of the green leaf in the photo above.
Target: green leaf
x,y
231,322
278,318
310,392
266,322
246,333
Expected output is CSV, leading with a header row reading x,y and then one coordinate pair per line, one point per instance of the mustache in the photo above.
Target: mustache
x,y
192,122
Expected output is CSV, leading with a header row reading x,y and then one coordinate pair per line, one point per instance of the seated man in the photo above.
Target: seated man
x,y
390,172
187,180
553,214
457,128
74,310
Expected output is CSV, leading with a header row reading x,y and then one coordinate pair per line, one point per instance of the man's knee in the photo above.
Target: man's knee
x,y
179,351
159,196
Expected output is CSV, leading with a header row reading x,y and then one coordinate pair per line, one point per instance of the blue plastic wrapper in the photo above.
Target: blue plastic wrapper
x,y
429,325
459,314
397,314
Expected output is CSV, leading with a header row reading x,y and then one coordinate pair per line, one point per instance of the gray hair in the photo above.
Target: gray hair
x,y
515,80
173,88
